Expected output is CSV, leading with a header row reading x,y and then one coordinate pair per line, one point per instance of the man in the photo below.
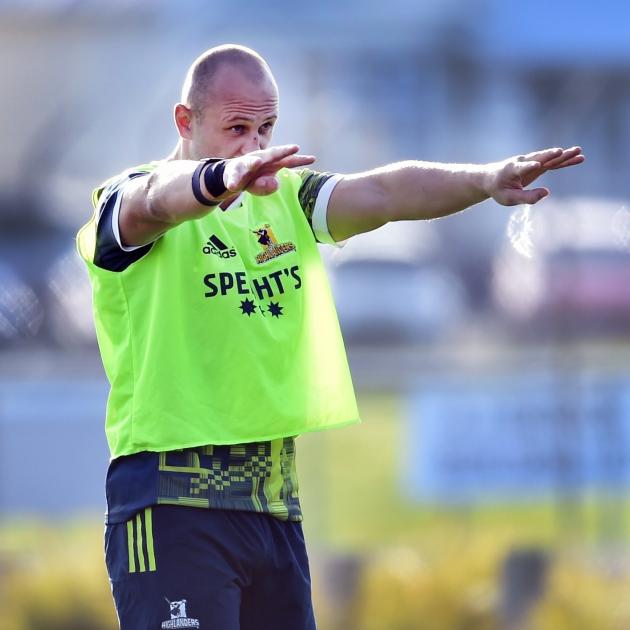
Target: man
x,y
220,340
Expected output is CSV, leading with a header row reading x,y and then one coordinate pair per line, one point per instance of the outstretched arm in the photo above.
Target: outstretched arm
x,y
152,205
427,190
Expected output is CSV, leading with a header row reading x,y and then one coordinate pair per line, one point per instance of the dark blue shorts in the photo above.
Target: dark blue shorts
x,y
189,567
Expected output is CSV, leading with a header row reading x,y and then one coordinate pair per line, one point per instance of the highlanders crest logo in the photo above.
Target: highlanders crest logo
x,y
178,616
270,245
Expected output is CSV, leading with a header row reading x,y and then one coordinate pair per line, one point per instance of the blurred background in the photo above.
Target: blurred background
x,y
487,487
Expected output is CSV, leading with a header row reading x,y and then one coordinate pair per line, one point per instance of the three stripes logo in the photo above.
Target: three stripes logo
x,y
140,542
217,247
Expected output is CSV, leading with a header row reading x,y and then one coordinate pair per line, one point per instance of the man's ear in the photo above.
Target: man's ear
x,y
183,120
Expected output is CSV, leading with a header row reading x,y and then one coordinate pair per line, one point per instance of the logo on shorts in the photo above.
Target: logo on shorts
x,y
270,245
178,616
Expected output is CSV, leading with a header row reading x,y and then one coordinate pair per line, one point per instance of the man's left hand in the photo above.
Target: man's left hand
x,y
507,180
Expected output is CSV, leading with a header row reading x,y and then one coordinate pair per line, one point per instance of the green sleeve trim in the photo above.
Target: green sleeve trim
x,y
312,182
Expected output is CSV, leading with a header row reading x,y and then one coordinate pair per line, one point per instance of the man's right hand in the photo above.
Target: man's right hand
x,y
152,205
256,172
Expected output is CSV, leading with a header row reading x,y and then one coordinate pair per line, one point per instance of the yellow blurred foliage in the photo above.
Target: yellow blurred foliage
x,y
586,594
54,578
459,588
404,590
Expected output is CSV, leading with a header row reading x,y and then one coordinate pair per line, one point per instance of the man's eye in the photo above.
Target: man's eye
x,y
266,127
237,128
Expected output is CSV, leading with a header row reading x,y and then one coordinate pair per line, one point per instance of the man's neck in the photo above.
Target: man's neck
x,y
178,153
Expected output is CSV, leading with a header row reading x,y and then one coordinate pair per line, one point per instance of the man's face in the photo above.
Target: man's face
x,y
239,117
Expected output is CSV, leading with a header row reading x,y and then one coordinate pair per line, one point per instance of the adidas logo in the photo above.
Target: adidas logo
x,y
217,247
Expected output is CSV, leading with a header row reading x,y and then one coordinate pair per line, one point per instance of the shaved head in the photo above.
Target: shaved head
x,y
229,104
197,91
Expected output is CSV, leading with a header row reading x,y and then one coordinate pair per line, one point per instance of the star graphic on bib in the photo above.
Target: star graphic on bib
x,y
247,307
275,309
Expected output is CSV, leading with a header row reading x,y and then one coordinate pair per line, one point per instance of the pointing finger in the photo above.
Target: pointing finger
x,y
542,156
277,153
564,161
551,158
297,160
290,161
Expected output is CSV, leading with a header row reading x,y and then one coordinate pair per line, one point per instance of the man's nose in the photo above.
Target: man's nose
x,y
253,143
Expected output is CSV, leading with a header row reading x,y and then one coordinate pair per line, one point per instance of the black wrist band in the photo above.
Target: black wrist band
x,y
213,181
213,178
